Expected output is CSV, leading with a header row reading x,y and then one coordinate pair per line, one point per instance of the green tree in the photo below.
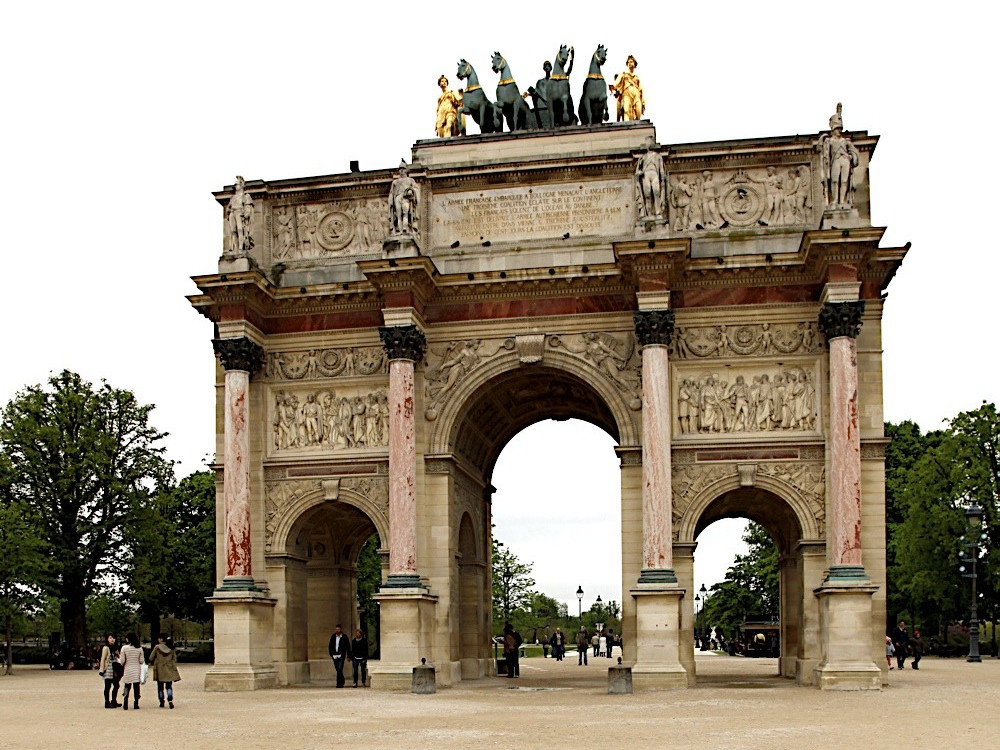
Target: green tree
x,y
369,580
751,584
513,585
85,460
22,567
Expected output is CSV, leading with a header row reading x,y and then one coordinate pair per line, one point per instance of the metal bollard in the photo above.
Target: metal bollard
x,y
424,682
620,679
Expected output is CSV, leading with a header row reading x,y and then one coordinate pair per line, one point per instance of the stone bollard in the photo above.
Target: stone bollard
x,y
620,679
424,682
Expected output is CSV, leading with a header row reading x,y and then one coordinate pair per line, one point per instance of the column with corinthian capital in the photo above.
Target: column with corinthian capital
x,y
405,346
240,357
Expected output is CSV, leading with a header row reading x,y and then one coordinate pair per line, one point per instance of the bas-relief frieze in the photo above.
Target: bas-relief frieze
x,y
615,357
766,196
305,231
760,339
747,399
280,496
327,363
327,419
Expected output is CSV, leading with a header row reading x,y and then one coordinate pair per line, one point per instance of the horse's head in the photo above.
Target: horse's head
x,y
563,57
601,55
464,69
498,62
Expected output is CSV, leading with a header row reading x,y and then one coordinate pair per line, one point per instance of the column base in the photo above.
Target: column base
x,y
657,575
403,581
845,623
243,624
407,635
846,573
657,640
238,583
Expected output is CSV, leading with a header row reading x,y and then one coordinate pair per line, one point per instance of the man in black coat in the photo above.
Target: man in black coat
x,y
340,652
901,641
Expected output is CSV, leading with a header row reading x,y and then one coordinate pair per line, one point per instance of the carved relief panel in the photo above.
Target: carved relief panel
x,y
757,339
339,228
327,419
327,363
761,400
746,197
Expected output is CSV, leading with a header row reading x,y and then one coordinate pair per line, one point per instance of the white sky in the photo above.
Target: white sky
x,y
121,118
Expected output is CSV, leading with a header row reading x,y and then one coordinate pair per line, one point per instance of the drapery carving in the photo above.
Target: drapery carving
x,y
331,419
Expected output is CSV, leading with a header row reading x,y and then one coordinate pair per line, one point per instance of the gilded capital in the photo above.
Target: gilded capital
x,y
841,319
239,354
403,342
654,326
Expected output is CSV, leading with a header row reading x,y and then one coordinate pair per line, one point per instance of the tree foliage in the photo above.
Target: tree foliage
x,y
22,564
513,586
85,460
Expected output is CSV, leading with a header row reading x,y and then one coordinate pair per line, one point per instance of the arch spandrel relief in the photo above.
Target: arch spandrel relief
x,y
615,357
449,364
321,420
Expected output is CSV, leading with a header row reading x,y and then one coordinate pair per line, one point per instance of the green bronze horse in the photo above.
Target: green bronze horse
x,y
515,110
594,99
557,90
474,102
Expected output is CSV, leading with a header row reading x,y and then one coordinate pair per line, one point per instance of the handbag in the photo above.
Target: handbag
x,y
143,673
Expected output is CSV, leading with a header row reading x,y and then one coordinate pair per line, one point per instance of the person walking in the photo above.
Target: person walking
x,y
595,642
340,651
559,644
889,651
611,642
582,646
132,659
359,657
510,650
901,641
110,670
916,648
163,663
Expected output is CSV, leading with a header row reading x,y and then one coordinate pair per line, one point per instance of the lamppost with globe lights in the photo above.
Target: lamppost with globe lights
x,y
973,545
579,599
704,599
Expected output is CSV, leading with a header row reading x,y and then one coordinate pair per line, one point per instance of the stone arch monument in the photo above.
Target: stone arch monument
x,y
713,307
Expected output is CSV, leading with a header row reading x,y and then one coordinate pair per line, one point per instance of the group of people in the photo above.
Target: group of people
x,y
343,648
124,665
900,643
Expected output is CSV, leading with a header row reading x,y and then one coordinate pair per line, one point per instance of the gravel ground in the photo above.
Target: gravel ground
x,y
738,705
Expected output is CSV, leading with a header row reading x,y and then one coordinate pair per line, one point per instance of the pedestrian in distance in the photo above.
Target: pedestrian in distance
x,y
582,646
359,657
559,644
163,664
889,651
510,650
916,648
132,659
110,670
611,642
340,652
901,642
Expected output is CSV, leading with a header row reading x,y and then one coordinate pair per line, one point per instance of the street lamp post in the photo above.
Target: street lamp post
x,y
973,544
704,635
579,599
697,637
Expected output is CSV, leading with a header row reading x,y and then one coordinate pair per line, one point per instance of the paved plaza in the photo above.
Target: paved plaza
x,y
739,705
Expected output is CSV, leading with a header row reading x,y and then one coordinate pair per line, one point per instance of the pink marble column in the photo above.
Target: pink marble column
x,y
654,329
240,357
405,346
841,324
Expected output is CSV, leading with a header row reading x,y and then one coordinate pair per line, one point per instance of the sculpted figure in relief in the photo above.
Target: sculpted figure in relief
x,y
712,405
628,91
680,202
239,215
323,419
448,123
459,359
839,158
650,179
709,202
403,198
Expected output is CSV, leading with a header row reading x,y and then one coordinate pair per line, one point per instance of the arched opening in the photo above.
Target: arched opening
x,y
761,609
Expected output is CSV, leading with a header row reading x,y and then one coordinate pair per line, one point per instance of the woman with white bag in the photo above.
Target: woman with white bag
x,y
134,661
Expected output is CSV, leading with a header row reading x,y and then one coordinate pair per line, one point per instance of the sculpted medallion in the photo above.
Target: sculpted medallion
x,y
758,339
354,227
327,363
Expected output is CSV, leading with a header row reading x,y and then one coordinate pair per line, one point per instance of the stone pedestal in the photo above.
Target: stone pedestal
x,y
620,679
400,246
658,640
243,621
407,627
845,621
424,682
842,218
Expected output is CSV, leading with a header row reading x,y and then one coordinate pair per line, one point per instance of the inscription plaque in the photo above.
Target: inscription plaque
x,y
533,213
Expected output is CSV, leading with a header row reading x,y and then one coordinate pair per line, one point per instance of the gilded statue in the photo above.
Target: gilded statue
x,y
628,91
449,123
239,216
838,159
404,195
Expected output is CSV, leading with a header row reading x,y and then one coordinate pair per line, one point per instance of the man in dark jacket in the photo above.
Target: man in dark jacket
x,y
916,648
340,652
901,641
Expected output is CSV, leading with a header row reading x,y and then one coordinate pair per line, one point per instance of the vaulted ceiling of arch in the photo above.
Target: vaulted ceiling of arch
x,y
333,532
759,505
517,400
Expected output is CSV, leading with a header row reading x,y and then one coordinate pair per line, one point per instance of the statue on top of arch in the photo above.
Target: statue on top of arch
x,y
839,159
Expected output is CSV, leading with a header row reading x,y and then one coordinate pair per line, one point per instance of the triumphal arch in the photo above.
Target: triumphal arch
x,y
381,335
